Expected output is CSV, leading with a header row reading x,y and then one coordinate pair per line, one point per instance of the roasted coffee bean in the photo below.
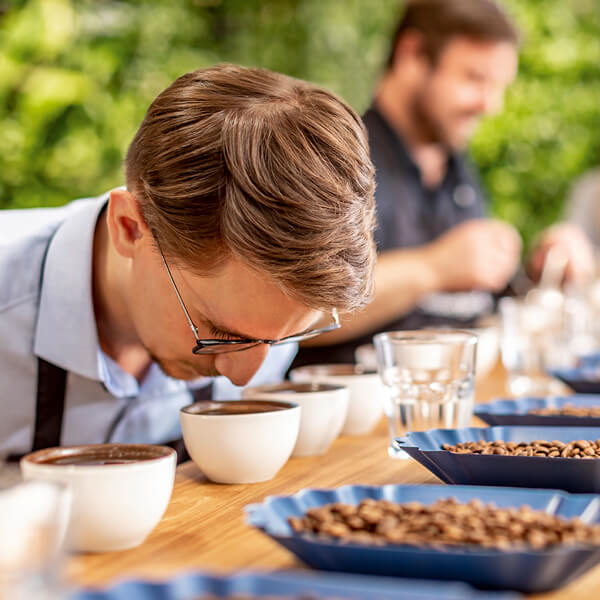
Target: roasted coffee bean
x,y
568,410
446,523
575,449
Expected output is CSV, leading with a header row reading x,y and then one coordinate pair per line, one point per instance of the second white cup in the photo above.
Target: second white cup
x,y
323,409
367,392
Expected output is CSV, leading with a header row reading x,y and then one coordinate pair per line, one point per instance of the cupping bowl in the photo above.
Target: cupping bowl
x,y
505,411
119,491
521,569
571,474
240,441
323,409
366,391
290,585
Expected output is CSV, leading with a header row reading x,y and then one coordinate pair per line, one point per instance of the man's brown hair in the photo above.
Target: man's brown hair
x,y
233,161
438,21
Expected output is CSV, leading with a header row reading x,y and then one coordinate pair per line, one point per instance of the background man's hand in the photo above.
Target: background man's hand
x,y
573,243
479,254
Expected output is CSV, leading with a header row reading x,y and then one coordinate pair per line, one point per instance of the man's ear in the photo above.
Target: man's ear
x,y
126,224
410,49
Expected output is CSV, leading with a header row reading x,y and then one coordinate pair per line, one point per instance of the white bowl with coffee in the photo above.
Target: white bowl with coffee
x,y
119,491
240,441
323,411
367,393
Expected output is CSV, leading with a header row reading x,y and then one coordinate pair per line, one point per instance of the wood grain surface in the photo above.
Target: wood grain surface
x,y
204,528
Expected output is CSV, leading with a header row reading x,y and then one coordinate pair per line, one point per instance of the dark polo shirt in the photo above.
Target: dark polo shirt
x,y
409,214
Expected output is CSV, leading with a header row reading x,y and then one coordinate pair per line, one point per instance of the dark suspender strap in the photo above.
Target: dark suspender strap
x,y
50,405
204,393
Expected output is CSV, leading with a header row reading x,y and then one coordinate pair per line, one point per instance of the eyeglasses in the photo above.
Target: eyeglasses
x,y
217,346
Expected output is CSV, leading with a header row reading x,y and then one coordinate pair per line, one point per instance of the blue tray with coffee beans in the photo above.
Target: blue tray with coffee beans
x,y
517,565
583,379
590,360
574,470
578,410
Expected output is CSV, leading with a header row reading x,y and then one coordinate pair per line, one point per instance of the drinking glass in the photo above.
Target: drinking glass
x,y
430,378
539,335
33,522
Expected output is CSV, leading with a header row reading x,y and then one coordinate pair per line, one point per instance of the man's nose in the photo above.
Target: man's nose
x,y
240,367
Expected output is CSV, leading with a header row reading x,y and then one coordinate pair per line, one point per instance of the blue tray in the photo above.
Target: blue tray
x,y
584,379
571,474
291,584
504,411
524,570
590,360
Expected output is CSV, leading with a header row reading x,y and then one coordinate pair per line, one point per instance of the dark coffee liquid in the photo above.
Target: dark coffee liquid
x,y
236,410
83,460
235,407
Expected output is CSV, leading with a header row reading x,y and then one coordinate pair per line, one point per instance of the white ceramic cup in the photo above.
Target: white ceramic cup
x,y
240,441
323,412
488,349
367,392
119,492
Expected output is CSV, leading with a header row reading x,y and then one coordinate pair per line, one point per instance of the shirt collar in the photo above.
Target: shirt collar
x,y
397,150
385,133
65,333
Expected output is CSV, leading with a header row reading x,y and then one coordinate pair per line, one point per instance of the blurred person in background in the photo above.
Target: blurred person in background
x,y
583,204
440,259
246,222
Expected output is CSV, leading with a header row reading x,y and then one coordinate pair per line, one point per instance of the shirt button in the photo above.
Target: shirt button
x,y
464,195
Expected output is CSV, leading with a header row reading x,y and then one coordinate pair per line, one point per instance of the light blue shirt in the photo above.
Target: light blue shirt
x,y
55,321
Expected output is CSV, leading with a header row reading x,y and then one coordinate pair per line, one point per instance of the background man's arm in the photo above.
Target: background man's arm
x,y
478,254
402,278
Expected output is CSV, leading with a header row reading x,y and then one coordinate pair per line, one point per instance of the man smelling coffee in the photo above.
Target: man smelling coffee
x,y
246,222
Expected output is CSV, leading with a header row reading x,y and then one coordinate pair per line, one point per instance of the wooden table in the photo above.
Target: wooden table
x,y
204,526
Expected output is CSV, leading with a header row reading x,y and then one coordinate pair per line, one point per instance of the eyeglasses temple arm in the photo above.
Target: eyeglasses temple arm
x,y
187,315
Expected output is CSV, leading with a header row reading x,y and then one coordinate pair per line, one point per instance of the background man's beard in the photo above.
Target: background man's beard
x,y
429,129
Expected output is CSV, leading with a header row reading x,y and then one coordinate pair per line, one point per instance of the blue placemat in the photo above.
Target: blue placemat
x,y
289,585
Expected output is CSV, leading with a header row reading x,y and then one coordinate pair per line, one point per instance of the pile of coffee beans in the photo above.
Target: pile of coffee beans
x,y
569,410
554,449
444,523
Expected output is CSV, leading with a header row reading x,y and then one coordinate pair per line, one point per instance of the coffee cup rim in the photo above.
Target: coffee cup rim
x,y
335,370
138,453
203,407
297,388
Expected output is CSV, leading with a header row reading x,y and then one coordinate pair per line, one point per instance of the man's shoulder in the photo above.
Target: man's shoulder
x,y
20,261
24,237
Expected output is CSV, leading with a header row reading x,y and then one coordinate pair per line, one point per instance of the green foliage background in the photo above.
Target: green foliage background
x,y
76,77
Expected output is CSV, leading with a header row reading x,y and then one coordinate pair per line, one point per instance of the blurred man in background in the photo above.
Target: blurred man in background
x,y
440,259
